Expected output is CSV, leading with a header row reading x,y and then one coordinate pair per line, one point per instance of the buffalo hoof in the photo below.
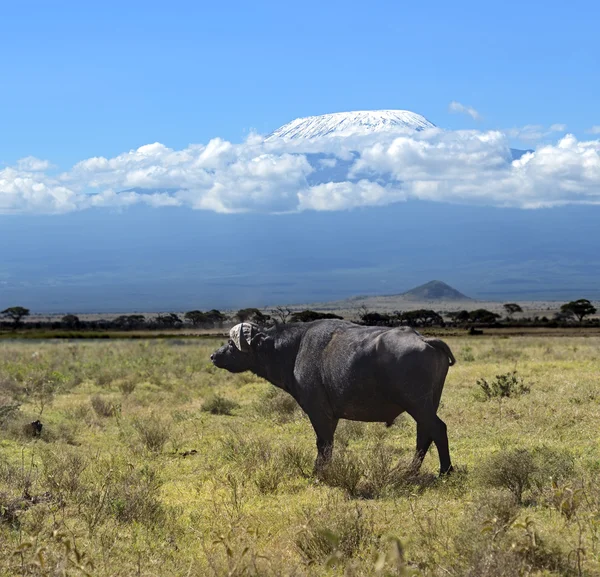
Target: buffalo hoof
x,y
447,472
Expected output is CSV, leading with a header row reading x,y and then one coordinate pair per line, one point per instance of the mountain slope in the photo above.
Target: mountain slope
x,y
435,290
351,124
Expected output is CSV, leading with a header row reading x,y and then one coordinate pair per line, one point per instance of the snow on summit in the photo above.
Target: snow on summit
x,y
351,124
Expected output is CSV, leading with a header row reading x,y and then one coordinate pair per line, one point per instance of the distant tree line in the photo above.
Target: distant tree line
x,y
13,317
569,314
579,309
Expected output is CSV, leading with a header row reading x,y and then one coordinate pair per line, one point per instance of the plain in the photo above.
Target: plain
x,y
150,461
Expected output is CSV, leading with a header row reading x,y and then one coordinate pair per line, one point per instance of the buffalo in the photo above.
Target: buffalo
x,y
336,370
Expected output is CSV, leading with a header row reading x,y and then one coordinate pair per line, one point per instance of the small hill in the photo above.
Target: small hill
x,y
433,291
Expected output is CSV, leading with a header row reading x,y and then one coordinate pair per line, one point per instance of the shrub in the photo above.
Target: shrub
x,y
136,497
384,471
520,469
349,431
552,466
298,458
493,542
277,404
269,475
127,386
7,411
62,471
504,385
512,470
104,408
112,488
218,405
344,470
153,432
467,355
247,452
336,530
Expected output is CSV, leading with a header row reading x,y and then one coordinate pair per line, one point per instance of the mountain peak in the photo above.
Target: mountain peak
x,y
352,123
435,290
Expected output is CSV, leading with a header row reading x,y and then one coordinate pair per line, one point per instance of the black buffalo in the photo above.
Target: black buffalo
x,y
339,370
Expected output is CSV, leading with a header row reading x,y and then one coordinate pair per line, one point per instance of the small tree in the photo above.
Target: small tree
x,y
376,319
216,317
252,315
307,316
459,316
129,322
283,314
421,317
168,320
580,308
71,321
16,314
483,316
197,318
512,308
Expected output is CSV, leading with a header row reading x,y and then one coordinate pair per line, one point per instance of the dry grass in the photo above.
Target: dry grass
x,y
130,476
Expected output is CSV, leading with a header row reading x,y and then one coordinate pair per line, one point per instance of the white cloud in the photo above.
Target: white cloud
x,y
535,132
472,167
594,130
459,108
32,164
345,195
30,191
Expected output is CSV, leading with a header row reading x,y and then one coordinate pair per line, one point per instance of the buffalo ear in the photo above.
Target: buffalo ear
x,y
257,340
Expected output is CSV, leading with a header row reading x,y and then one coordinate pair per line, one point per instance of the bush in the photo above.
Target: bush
x,y
218,405
379,471
127,386
298,458
349,431
520,469
467,355
337,530
344,470
503,386
136,497
62,471
104,408
512,470
552,466
493,541
8,411
269,475
247,452
153,432
277,404
385,470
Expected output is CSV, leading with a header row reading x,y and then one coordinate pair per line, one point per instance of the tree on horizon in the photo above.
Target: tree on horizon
x,y
16,314
580,308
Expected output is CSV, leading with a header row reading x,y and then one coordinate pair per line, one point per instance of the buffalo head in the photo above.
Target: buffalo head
x,y
239,354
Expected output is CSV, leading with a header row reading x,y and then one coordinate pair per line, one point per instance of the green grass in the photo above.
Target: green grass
x,y
49,334
130,476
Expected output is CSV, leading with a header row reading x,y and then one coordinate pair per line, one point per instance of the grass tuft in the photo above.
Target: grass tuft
x,y
219,405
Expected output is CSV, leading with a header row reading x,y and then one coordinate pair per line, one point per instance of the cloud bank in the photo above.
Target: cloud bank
x,y
274,176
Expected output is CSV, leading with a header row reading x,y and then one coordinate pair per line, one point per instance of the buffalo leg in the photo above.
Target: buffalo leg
x,y
424,440
324,427
433,426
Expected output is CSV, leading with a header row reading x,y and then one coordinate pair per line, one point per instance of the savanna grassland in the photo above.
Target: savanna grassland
x,y
152,462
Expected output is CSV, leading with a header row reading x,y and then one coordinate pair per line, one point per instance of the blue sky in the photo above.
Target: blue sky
x,y
130,141
87,79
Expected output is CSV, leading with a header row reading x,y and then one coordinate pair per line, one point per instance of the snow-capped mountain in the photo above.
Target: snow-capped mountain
x,y
354,123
